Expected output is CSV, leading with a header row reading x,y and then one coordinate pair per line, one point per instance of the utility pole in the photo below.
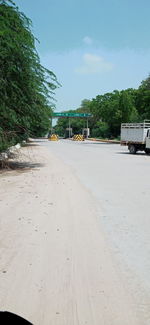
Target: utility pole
x,y
87,127
51,129
69,129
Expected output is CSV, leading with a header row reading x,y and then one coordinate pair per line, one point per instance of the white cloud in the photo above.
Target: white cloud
x,y
87,40
93,64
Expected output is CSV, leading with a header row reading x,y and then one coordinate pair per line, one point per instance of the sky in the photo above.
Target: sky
x,y
93,46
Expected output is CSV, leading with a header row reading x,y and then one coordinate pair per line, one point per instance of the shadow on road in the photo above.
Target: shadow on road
x,y
99,143
132,155
24,165
18,166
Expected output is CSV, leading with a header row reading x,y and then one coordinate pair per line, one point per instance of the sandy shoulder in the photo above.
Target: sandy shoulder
x,y
55,264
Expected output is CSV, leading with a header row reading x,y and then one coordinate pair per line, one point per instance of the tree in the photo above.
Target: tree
x,y
113,109
26,87
77,124
143,99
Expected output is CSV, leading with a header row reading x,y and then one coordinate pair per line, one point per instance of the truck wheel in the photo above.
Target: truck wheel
x,y
132,149
147,151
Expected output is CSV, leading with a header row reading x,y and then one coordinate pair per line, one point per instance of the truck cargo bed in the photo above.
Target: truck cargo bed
x,y
134,132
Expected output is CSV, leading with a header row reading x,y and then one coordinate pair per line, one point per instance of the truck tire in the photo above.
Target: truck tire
x,y
147,151
132,149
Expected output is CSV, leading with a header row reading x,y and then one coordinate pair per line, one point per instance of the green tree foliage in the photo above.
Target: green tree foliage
x,y
143,99
101,130
77,124
113,109
108,112
26,87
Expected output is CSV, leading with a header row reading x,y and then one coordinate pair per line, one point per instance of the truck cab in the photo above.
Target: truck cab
x,y
148,139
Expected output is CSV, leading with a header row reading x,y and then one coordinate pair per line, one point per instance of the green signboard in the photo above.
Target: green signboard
x,y
57,115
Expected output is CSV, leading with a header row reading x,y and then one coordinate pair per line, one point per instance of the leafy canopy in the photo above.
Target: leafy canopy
x,y
26,87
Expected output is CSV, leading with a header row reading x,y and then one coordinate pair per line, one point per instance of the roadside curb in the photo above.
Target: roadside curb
x,y
104,140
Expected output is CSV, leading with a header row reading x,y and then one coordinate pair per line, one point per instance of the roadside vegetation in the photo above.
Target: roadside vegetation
x,y
27,90
26,87
110,110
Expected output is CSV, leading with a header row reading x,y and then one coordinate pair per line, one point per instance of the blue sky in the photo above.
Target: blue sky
x,y
93,47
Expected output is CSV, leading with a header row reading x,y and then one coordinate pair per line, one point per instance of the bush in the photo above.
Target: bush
x,y
101,130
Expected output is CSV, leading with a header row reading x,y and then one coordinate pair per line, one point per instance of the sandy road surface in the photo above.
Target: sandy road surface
x,y
58,259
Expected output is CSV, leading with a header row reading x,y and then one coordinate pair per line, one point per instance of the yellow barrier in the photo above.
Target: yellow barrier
x,y
78,137
54,137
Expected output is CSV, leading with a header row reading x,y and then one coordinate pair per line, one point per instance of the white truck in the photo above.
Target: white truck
x,y
136,136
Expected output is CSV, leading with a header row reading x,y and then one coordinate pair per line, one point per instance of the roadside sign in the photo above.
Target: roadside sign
x,y
57,115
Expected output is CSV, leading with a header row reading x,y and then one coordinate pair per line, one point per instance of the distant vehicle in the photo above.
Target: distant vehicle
x,y
136,136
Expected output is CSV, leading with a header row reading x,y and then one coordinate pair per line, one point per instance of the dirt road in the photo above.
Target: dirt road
x,y
64,255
